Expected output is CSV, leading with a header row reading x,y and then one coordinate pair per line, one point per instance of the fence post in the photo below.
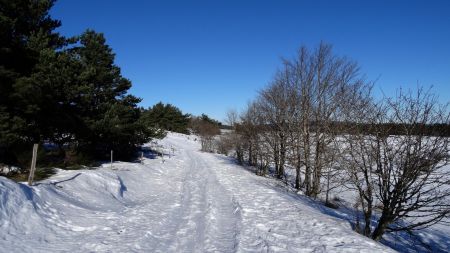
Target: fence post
x,y
111,158
33,165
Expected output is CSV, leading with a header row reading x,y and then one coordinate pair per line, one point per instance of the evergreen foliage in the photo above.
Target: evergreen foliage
x,y
65,91
206,118
167,117
26,34
109,116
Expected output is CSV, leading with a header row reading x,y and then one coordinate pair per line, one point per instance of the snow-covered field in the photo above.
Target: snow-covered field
x,y
191,202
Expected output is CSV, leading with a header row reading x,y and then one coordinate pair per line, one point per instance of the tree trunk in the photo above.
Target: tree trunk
x,y
297,169
317,169
381,227
297,177
328,188
276,158
367,220
255,151
307,181
282,158
250,153
239,154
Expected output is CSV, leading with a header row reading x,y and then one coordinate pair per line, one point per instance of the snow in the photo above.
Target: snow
x,y
343,194
6,170
190,202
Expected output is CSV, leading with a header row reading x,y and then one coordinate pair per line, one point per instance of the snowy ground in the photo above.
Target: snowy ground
x,y
434,239
191,202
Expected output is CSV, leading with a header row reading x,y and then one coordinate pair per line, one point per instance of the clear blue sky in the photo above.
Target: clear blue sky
x,y
209,56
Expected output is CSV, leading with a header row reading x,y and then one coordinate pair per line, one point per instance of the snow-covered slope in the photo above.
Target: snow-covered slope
x,y
191,202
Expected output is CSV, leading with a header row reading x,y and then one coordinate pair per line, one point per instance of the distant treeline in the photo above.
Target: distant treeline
x,y
225,127
393,129
369,129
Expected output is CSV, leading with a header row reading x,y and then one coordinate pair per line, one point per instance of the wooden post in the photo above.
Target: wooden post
x,y
111,158
33,165
328,187
142,156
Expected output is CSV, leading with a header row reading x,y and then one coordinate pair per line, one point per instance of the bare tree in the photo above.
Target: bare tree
x,y
317,115
295,114
319,83
402,173
231,140
207,129
249,129
232,118
224,143
276,104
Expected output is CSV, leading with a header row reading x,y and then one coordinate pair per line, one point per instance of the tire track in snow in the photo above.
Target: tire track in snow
x,y
273,220
210,222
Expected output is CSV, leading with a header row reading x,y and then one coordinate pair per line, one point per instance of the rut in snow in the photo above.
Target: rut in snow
x,y
210,222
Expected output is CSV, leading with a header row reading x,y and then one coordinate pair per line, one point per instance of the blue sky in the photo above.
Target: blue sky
x,y
210,56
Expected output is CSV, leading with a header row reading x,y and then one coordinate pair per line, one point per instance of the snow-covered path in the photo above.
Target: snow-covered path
x,y
193,202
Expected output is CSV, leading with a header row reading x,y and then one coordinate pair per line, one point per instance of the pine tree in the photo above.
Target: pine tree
x,y
25,30
66,91
167,117
110,116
